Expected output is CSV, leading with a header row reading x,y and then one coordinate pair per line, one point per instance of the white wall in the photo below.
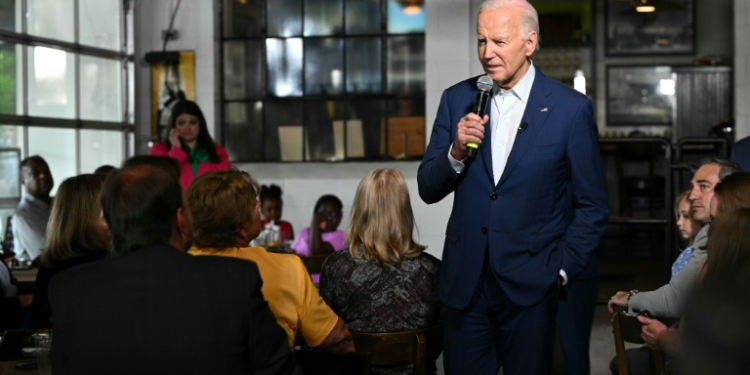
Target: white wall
x,y
303,183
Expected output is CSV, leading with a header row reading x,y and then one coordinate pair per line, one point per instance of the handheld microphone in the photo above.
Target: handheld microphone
x,y
484,87
523,127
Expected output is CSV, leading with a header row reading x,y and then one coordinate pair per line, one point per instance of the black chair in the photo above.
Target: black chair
x,y
400,348
627,328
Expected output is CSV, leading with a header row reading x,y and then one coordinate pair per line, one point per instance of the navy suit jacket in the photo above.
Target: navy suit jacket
x,y
550,207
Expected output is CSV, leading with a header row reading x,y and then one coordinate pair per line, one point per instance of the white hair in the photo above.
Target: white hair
x,y
529,17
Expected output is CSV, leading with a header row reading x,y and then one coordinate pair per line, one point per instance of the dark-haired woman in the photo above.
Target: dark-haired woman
x,y
322,236
76,234
271,207
190,144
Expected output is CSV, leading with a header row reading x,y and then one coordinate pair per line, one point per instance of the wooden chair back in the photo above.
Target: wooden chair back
x,y
398,348
627,328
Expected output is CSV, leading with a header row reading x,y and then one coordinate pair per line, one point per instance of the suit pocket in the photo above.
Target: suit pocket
x,y
543,242
451,232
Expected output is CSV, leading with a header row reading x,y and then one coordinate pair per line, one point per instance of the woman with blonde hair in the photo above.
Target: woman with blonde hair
x,y
385,282
76,234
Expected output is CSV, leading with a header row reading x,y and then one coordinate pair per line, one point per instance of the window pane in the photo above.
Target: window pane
x,y
243,18
283,133
367,117
319,129
10,15
58,148
100,147
363,66
99,23
51,83
322,17
284,61
244,131
406,18
324,64
406,65
51,19
101,89
11,78
363,17
284,17
243,69
406,128
11,136
131,93
10,186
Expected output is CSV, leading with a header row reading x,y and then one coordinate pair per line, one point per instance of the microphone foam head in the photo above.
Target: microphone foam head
x,y
484,83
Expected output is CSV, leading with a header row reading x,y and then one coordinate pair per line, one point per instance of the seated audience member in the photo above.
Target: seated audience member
x,y
271,207
104,169
76,234
728,262
689,228
732,193
322,237
154,309
29,222
190,143
225,218
384,282
669,300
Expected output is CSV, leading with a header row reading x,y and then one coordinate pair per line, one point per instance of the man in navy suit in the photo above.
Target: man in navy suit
x,y
528,210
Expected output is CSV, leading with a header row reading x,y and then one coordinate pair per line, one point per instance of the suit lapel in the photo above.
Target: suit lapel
x,y
535,115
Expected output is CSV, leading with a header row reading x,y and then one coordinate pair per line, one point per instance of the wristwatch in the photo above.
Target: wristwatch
x,y
632,293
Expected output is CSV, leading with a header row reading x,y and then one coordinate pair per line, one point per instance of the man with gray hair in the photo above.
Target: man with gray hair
x,y
528,210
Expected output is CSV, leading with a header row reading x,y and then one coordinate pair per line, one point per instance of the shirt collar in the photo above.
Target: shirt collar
x,y
522,89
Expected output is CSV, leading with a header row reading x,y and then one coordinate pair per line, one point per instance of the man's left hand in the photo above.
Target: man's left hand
x,y
619,299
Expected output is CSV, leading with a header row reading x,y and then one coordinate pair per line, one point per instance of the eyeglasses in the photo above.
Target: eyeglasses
x,y
330,214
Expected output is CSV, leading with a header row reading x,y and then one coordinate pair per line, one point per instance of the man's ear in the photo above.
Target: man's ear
x,y
183,225
242,233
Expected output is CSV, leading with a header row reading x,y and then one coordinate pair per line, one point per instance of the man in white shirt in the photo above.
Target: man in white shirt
x,y
528,210
29,222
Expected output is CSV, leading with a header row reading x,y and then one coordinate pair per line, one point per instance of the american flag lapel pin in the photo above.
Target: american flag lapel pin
x,y
544,109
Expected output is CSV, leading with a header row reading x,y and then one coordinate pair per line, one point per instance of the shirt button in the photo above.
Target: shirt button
x,y
484,230
493,196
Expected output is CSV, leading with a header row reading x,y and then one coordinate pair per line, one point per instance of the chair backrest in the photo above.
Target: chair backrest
x,y
320,362
398,348
313,262
627,328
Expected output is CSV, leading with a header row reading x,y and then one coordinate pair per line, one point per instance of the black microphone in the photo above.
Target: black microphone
x,y
484,87
523,127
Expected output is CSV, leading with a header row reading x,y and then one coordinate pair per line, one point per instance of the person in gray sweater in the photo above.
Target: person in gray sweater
x,y
669,300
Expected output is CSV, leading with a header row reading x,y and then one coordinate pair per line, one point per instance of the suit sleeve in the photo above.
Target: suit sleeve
x,y
267,342
436,177
588,189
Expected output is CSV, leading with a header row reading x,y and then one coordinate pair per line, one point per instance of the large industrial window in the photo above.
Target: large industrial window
x,y
323,80
65,91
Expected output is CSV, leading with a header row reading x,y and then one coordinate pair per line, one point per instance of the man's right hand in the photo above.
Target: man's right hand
x,y
469,130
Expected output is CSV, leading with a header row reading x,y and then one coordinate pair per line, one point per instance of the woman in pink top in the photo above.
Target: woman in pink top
x,y
322,237
190,144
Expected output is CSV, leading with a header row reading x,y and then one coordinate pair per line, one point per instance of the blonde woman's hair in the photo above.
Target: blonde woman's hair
x,y
382,221
72,229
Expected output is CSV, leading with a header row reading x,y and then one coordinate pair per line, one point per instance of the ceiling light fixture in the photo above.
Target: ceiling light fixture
x,y
645,6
